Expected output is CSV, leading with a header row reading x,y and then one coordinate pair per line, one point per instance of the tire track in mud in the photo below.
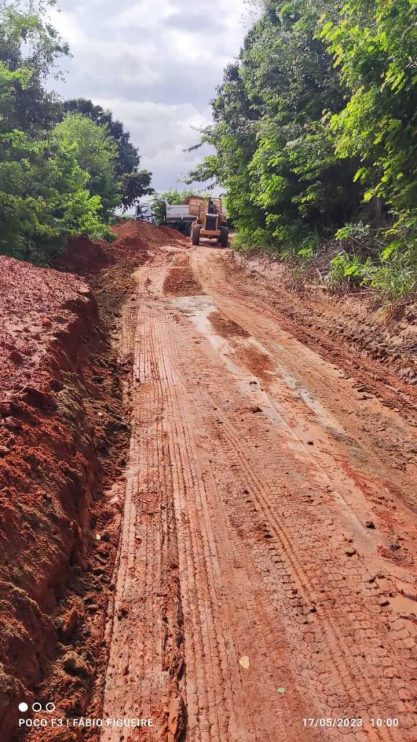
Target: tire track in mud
x,y
392,693
212,675
240,617
206,652
350,685
199,541
147,608
354,693
326,381
232,546
377,695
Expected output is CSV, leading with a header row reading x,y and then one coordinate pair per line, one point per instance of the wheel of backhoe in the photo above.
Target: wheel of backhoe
x,y
224,237
195,234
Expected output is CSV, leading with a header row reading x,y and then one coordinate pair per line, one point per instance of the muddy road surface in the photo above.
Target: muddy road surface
x,y
264,587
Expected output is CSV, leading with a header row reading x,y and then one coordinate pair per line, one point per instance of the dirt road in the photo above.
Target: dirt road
x,y
265,579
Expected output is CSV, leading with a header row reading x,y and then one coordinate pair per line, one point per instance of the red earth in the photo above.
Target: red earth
x,y
61,427
209,515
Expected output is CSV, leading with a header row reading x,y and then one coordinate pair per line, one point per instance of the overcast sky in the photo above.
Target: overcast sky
x,y
156,65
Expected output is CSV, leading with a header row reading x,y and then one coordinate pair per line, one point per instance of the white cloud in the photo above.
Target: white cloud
x,y
165,133
155,64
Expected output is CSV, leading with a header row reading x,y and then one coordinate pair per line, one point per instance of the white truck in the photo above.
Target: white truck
x,y
177,216
144,213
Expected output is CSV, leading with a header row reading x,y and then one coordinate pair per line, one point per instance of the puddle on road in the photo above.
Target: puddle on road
x,y
199,308
323,417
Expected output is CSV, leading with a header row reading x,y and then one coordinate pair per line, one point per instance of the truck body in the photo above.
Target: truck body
x,y
179,217
177,212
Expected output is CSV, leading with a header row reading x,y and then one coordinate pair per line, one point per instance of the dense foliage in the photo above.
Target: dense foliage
x,y
315,136
95,153
134,182
27,40
43,193
58,176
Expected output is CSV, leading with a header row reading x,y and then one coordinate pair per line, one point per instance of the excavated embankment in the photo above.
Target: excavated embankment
x,y
383,330
63,439
49,472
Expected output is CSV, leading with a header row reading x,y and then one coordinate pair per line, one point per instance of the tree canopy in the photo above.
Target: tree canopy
x,y
28,40
314,134
61,173
95,153
134,182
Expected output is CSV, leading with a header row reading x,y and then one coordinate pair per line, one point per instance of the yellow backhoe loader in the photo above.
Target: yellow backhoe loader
x,y
210,220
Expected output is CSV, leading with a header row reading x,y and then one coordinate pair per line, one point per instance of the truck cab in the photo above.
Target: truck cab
x,y
144,213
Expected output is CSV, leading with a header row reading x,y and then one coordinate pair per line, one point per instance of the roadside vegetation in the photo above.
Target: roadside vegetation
x,y
315,139
64,166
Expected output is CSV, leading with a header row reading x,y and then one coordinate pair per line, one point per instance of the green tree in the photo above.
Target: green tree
x,y
374,45
43,194
274,151
56,179
314,135
27,39
234,139
96,154
134,182
44,197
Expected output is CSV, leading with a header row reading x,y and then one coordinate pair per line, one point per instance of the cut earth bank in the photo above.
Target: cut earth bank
x,y
64,434
65,429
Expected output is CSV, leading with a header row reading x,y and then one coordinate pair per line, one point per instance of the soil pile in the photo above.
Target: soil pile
x,y
83,256
139,235
59,413
36,308
133,241
173,234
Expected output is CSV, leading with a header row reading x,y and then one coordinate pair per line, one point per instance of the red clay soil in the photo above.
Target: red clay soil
x,y
172,234
180,281
248,562
266,567
61,426
36,307
87,258
48,464
83,256
382,331
132,233
63,439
